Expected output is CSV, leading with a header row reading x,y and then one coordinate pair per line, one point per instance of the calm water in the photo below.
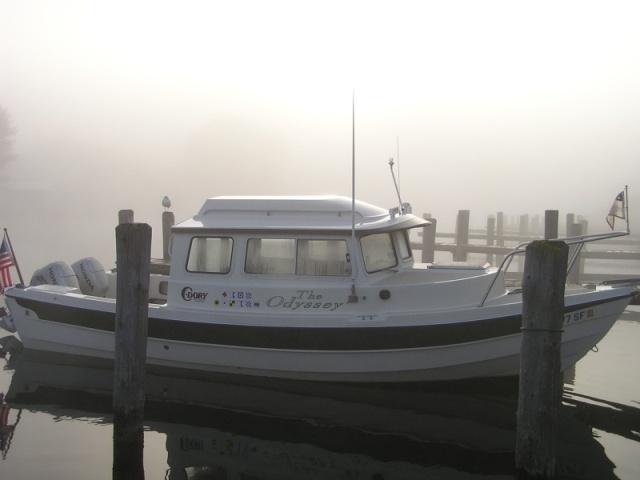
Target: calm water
x,y
57,423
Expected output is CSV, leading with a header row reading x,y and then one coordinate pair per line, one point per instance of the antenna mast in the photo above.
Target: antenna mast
x,y
353,165
400,206
353,298
396,183
398,157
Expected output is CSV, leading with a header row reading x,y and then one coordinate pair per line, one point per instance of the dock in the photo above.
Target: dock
x,y
500,238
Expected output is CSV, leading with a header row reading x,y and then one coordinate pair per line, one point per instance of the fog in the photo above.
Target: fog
x,y
487,106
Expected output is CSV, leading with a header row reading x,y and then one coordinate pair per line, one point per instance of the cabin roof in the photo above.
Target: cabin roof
x,y
327,213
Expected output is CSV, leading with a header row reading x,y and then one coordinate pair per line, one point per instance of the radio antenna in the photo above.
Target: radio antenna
x,y
398,157
353,164
353,297
395,183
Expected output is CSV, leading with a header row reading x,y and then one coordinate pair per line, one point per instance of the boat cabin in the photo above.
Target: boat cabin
x,y
300,241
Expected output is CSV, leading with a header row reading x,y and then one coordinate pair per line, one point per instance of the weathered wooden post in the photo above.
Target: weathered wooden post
x,y
540,376
575,230
585,225
550,224
168,219
133,253
499,234
491,235
462,236
429,239
125,216
523,229
571,219
535,224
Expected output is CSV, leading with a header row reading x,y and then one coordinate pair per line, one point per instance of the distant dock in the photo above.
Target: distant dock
x,y
619,257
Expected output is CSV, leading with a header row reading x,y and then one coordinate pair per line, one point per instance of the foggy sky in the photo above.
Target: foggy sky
x,y
492,106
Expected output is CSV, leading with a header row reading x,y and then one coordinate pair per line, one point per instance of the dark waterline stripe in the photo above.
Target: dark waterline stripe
x,y
297,338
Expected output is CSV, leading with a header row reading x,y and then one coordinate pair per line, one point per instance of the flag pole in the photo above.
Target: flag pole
x,y
626,206
13,255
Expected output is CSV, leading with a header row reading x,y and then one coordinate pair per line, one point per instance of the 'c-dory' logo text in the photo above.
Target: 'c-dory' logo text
x,y
188,294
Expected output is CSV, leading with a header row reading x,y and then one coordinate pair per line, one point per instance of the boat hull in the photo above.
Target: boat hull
x,y
470,343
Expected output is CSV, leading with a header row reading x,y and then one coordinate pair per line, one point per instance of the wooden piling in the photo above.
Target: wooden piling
x,y
535,225
462,236
125,216
550,224
585,225
429,239
133,253
540,375
168,220
571,219
499,235
524,225
491,236
573,277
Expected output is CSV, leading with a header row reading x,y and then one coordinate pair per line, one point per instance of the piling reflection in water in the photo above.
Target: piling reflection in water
x,y
235,427
7,426
128,457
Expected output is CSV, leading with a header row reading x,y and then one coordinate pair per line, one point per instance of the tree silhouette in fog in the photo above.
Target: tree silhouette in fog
x,y
6,132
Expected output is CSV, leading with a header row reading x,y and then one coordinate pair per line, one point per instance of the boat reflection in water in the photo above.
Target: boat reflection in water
x,y
227,427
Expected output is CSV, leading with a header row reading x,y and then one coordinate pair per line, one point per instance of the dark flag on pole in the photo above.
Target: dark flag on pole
x,y
617,210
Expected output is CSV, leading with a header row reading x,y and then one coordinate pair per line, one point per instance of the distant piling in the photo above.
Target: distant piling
x,y
550,224
462,236
575,230
133,251
429,239
168,219
125,216
499,235
491,236
540,375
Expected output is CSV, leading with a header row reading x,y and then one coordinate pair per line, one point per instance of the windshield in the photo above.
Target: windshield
x,y
404,247
378,252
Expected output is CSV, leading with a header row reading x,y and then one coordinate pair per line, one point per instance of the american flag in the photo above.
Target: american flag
x,y
6,262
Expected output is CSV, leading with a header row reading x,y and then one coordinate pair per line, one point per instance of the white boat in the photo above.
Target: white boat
x,y
311,288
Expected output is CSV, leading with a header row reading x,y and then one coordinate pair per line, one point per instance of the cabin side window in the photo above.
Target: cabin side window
x,y
210,255
323,257
288,256
270,255
378,252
